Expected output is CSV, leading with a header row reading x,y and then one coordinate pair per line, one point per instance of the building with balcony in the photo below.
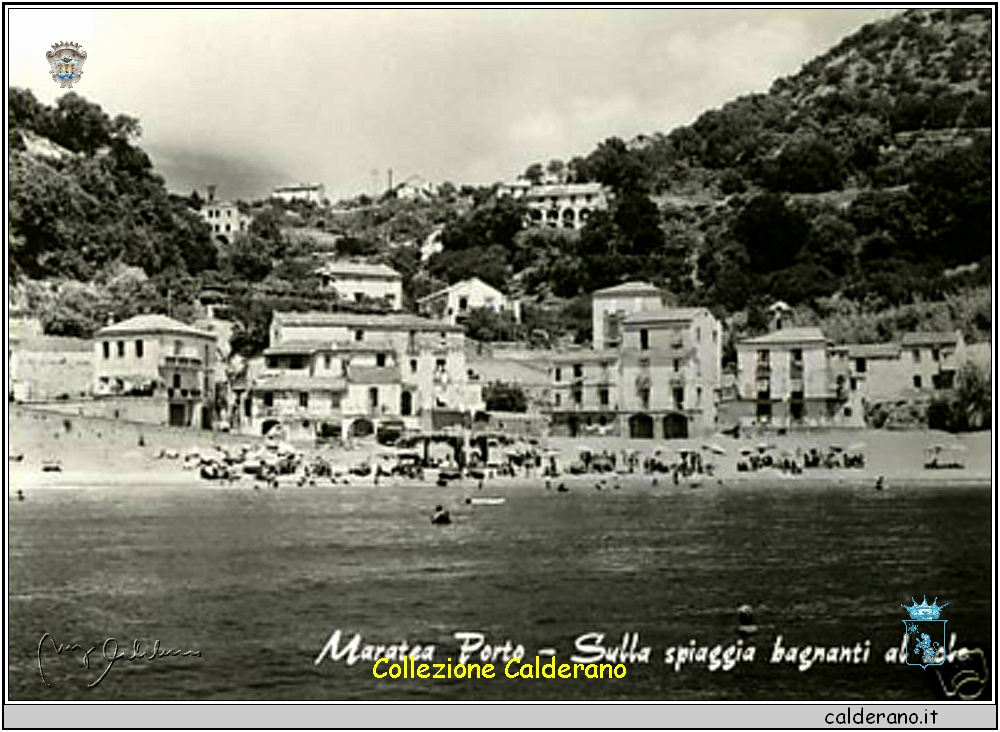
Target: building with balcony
x,y
314,192
224,218
452,304
361,281
584,392
932,360
611,306
349,374
561,205
671,361
163,365
794,377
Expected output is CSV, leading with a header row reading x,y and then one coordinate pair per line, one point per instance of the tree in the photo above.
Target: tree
x,y
772,232
502,397
534,173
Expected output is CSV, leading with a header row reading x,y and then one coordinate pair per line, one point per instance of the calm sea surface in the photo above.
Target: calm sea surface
x,y
258,580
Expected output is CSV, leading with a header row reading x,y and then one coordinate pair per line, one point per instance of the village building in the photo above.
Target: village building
x,y
561,205
162,368
340,375
313,192
611,305
671,363
453,304
362,281
585,392
793,377
224,218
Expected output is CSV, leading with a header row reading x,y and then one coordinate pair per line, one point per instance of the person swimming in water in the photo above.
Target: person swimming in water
x,y
440,516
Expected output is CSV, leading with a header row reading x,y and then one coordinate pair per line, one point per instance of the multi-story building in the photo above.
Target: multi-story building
x,y
562,205
165,365
932,359
360,281
314,192
792,377
671,362
452,304
343,374
611,306
224,218
584,392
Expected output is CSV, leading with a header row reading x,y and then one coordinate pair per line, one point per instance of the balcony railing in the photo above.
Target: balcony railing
x,y
189,361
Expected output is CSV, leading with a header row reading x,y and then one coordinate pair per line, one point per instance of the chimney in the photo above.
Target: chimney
x,y
211,193
110,319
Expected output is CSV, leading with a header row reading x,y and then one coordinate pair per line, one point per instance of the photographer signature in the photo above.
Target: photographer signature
x,y
110,653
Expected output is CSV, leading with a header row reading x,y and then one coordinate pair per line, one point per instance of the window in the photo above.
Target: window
x,y
697,334
578,371
121,349
698,397
178,347
644,398
935,354
861,365
603,395
677,365
558,400
327,361
679,397
796,355
359,296
413,365
917,382
644,339
177,381
847,412
373,397
380,359
577,395
854,384
558,371
106,349
463,304
440,365
359,335
268,398
406,404
138,348
208,354
715,336
916,355
644,363
303,399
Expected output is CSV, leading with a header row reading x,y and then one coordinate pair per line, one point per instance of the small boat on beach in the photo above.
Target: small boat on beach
x,y
486,501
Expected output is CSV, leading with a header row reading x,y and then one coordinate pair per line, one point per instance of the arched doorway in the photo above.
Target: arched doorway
x,y
675,426
574,426
406,404
362,427
268,425
640,426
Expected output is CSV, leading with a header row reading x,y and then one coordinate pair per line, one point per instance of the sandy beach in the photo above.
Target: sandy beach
x,y
94,451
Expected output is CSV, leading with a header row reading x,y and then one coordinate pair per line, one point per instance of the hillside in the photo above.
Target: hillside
x,y
858,190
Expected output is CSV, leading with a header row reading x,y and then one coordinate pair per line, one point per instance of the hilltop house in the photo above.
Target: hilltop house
x,y
452,304
358,281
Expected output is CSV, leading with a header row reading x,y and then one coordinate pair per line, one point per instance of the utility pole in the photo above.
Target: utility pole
x,y
390,181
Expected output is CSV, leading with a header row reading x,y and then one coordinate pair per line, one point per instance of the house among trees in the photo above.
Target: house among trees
x,y
224,218
453,304
562,205
361,281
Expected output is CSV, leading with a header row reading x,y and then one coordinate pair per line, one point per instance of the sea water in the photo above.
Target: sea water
x,y
258,581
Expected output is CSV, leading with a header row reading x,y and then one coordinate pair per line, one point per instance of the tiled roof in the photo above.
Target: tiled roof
x,y
152,324
666,315
294,347
564,189
299,382
629,288
392,321
458,286
929,339
787,335
873,350
585,356
359,269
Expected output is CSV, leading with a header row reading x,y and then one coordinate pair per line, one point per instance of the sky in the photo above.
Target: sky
x,y
252,98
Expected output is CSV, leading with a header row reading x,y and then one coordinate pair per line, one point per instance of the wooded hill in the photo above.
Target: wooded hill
x,y
858,190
